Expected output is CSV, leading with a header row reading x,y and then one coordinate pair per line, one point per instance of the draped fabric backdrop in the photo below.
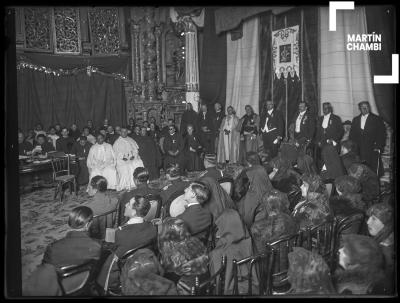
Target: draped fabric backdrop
x,y
213,62
381,19
303,86
242,75
51,99
345,75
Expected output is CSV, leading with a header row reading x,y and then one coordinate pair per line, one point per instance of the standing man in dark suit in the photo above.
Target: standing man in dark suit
x,y
329,129
272,127
369,132
217,120
205,126
304,125
197,218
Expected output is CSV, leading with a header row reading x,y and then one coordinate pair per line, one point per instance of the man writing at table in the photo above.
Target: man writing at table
x,y
43,146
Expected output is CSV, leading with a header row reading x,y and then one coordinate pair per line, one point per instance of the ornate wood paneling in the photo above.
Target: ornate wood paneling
x,y
104,30
38,29
67,34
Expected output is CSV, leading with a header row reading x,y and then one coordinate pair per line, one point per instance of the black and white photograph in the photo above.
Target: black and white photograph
x,y
178,152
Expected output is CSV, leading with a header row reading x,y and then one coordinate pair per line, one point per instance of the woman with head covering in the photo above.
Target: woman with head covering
x,y
286,179
314,209
380,226
219,198
234,241
332,166
142,275
308,273
273,220
183,257
361,271
369,181
305,164
349,154
259,185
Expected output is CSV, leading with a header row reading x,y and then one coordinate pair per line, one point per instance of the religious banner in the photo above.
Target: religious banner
x,y
285,52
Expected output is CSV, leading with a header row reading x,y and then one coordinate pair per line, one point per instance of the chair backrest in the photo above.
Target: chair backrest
x,y
214,285
280,250
322,239
60,166
263,265
155,209
101,222
75,279
165,208
227,184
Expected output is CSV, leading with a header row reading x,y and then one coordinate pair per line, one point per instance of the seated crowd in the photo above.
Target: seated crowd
x,y
277,194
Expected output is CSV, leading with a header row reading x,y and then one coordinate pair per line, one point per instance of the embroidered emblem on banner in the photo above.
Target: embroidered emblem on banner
x,y
285,51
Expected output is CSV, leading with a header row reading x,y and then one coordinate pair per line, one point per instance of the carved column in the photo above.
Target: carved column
x,y
150,60
160,84
192,63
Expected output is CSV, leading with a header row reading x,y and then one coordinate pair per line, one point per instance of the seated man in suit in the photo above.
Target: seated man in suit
x,y
210,163
176,184
24,147
197,218
135,233
65,142
141,178
77,247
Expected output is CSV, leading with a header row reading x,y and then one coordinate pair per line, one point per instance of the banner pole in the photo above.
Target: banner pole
x,y
272,60
286,108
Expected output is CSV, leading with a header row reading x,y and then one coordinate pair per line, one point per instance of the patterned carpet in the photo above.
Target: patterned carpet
x,y
44,220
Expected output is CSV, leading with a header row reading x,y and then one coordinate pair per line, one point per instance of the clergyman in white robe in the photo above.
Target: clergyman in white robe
x,y
127,154
101,162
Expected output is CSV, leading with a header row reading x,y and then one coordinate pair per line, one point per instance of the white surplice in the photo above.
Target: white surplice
x,y
101,162
126,148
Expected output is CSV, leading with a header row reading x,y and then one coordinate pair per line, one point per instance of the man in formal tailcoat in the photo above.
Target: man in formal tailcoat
x,y
369,133
272,127
206,129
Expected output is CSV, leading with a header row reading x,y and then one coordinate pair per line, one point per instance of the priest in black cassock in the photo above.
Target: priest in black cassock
x,y
81,150
217,120
173,148
189,116
111,136
205,125
149,153
369,133
74,132
65,142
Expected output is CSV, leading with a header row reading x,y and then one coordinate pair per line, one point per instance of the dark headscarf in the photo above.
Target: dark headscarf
x,y
333,164
305,164
308,273
289,152
368,179
259,186
142,275
219,198
180,252
233,241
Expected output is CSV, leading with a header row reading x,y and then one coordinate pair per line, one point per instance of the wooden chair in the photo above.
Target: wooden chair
x,y
101,222
263,265
155,209
214,285
78,280
280,250
62,175
121,262
227,184
322,239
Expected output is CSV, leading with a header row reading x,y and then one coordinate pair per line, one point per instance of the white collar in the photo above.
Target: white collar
x,y
328,115
135,220
270,111
193,203
302,113
365,116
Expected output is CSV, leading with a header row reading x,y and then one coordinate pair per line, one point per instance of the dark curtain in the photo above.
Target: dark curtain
x,y
213,63
50,99
381,20
309,65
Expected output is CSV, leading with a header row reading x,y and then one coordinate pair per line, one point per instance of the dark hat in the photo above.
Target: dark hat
x,y
347,184
347,122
